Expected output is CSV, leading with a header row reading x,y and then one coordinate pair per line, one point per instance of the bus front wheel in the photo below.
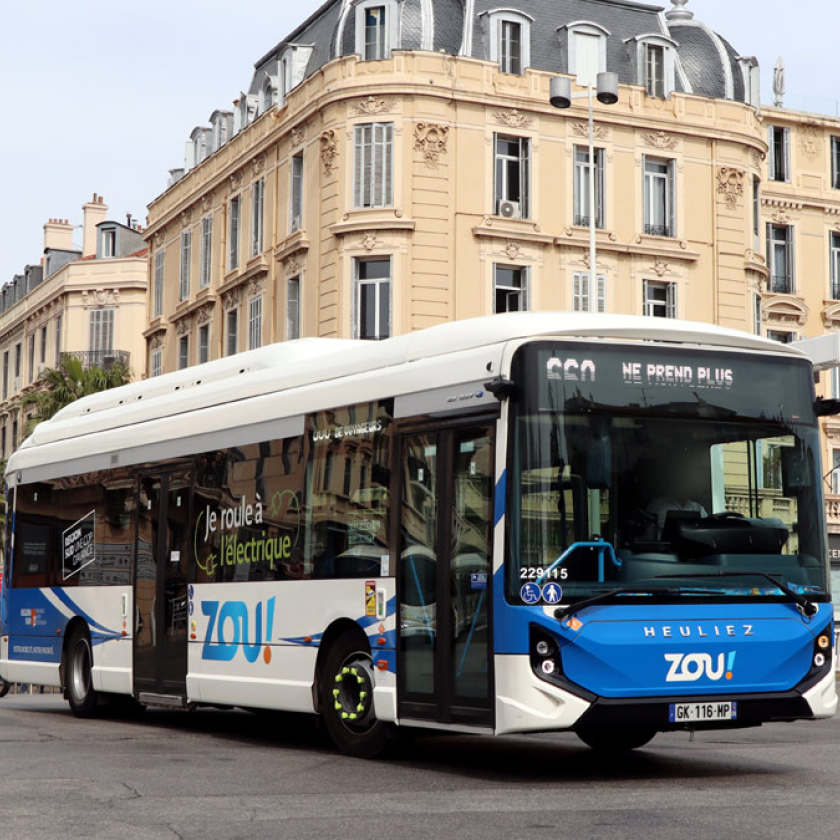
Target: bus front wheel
x,y
347,699
80,691
615,740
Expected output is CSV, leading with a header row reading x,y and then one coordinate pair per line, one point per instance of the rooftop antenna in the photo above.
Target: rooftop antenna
x,y
779,83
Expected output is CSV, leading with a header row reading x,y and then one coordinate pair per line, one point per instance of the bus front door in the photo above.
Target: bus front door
x,y
445,575
160,585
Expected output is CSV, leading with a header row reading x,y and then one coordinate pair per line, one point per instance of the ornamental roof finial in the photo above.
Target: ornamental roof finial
x,y
679,12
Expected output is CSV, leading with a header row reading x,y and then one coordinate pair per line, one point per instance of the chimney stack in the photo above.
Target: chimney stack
x,y
58,233
95,212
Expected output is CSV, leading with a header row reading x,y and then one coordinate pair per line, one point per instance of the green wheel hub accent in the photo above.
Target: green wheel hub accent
x,y
353,697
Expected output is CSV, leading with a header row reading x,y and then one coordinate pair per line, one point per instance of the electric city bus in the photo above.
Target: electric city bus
x,y
520,523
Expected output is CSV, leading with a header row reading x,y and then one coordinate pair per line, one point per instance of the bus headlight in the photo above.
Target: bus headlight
x,y
545,654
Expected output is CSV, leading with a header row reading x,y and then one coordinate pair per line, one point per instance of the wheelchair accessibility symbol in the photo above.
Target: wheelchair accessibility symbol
x,y
552,593
530,593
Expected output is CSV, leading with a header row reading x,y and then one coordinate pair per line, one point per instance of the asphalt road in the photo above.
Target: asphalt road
x,y
231,774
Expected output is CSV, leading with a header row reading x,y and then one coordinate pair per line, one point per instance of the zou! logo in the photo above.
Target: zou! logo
x,y
230,622
690,667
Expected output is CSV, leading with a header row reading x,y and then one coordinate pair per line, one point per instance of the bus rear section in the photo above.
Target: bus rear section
x,y
666,564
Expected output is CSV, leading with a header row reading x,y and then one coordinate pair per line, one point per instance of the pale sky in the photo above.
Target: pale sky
x,y
102,96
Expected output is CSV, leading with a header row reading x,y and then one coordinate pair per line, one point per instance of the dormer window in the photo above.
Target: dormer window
x,y
376,29
752,80
108,243
266,95
653,57
586,44
509,35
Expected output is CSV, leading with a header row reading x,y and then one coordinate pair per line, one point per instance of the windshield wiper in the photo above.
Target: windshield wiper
x,y
806,607
561,612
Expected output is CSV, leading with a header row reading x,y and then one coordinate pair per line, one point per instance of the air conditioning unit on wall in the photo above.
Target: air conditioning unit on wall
x,y
510,209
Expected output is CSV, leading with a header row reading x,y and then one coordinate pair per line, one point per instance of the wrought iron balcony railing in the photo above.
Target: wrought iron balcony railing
x,y
99,358
780,284
657,230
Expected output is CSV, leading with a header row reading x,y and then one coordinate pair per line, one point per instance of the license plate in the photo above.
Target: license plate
x,y
698,712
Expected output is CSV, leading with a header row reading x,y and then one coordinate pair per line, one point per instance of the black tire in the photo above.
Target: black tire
x,y
5,687
84,702
346,695
615,740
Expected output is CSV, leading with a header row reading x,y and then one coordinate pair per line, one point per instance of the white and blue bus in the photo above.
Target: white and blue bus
x,y
527,522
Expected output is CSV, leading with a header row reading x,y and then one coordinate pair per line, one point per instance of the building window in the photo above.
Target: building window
x,y
257,212
587,47
186,258
581,187
580,292
296,215
232,342
14,433
101,331
512,176
655,70
206,251
59,324
835,472
835,163
157,363
233,232
778,160
376,35
293,308
660,299
510,47
204,343
109,243
373,298
510,289
183,352
659,197
508,33
756,211
782,336
780,258
255,323
6,375
3,441
31,359
834,260
757,314
18,358
373,165
43,345
158,287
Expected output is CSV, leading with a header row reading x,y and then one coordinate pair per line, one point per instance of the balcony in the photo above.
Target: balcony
x,y
781,284
99,358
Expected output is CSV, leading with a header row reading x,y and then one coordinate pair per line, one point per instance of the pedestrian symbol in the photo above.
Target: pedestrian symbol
x,y
552,593
530,593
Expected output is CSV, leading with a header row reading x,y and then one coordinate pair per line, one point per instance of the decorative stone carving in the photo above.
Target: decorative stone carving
x,y
730,185
430,139
158,237
659,140
157,340
232,299
758,158
600,132
810,140
204,315
186,217
298,134
660,267
372,105
206,202
831,316
329,151
183,326
369,241
100,298
513,118
784,309
255,286
257,165
294,265
235,181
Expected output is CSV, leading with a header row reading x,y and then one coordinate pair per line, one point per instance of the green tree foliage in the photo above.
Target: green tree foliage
x,y
70,381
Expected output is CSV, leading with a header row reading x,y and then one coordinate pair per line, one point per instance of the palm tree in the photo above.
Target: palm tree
x,y
70,381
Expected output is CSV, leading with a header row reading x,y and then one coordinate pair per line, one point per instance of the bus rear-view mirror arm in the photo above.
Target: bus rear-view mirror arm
x,y
826,408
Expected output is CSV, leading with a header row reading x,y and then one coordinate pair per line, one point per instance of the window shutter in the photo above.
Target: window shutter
x,y
602,293
524,175
672,300
645,291
358,166
388,175
789,238
771,153
600,196
672,198
786,143
646,188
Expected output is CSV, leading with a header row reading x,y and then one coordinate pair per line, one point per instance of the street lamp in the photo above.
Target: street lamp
x,y
561,96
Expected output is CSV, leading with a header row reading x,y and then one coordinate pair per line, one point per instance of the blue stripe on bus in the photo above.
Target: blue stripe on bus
x,y
68,602
499,504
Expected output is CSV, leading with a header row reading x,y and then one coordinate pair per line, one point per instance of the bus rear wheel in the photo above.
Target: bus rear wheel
x,y
615,740
81,694
346,699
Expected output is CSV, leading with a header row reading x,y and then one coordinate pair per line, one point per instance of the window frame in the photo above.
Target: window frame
x,y
580,186
255,318
651,304
206,256
157,286
834,151
293,324
102,328
296,191
776,167
204,344
234,231
183,352
523,291
376,155
156,362
773,244
501,174
390,29
378,282
257,217
580,296
834,264
669,229
185,265
494,23
232,335
592,29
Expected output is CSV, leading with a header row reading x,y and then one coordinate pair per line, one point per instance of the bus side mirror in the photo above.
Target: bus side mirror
x,y
826,408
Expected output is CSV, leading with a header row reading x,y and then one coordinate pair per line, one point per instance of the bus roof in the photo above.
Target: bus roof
x,y
310,361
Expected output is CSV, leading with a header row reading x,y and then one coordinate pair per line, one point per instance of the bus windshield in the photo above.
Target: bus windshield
x,y
656,468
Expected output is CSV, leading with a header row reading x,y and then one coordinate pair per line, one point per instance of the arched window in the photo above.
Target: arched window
x,y
653,57
586,47
508,35
377,30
